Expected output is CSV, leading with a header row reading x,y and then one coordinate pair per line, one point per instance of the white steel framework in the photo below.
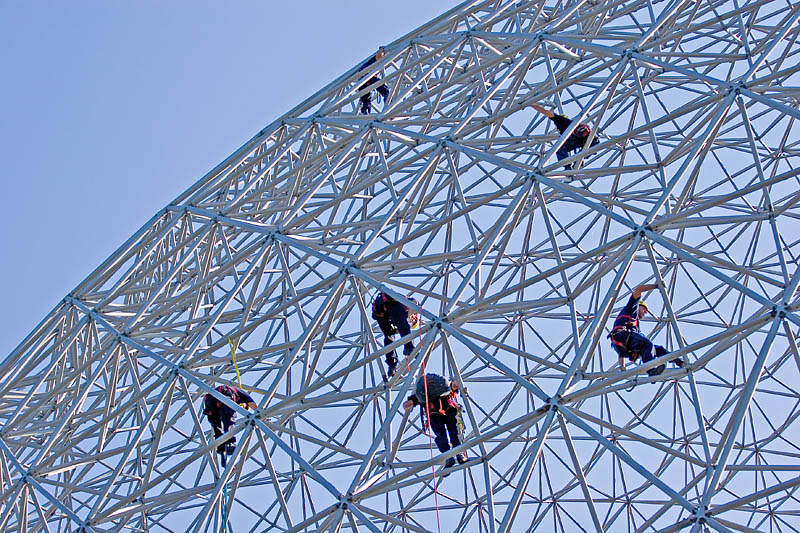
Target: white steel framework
x,y
450,193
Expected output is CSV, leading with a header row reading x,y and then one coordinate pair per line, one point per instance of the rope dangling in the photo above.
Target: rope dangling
x,y
222,526
233,358
430,442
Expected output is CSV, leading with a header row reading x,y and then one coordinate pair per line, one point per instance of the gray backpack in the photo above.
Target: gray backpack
x,y
437,386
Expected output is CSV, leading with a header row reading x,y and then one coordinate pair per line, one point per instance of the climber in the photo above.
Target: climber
x,y
366,98
222,417
575,141
442,412
627,339
393,317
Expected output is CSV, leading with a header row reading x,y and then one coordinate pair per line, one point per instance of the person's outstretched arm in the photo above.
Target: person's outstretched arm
x,y
246,399
410,402
543,111
638,291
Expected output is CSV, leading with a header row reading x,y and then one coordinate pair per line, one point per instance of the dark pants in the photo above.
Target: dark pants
x,y
221,426
366,99
442,425
394,320
635,344
572,143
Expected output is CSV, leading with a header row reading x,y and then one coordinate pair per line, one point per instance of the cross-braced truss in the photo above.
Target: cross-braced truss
x,y
450,193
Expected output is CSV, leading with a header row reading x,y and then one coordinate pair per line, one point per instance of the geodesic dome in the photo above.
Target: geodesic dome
x,y
450,193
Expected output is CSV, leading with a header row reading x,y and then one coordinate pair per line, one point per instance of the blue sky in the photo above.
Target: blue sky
x,y
111,109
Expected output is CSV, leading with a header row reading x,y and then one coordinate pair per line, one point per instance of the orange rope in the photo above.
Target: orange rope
x,y
430,441
428,414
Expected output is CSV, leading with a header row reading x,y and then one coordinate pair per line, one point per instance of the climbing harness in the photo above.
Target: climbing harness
x,y
461,427
413,319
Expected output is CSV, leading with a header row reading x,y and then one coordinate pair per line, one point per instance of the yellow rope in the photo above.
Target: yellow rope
x,y
233,358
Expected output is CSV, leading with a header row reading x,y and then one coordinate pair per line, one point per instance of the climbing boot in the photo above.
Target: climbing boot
x,y
450,463
661,351
656,371
461,459
229,448
391,366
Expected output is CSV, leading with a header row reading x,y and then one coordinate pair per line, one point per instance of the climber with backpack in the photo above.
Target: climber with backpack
x,y
627,339
576,140
393,317
222,417
441,412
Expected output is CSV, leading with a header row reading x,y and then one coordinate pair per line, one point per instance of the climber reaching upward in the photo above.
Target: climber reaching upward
x,y
576,140
627,339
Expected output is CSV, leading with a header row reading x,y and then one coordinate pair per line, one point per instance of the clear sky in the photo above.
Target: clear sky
x,y
109,110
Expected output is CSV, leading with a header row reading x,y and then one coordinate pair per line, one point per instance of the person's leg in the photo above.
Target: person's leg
x,y
451,421
366,99
661,351
563,153
383,90
388,330
399,315
366,103
641,345
619,341
216,423
230,444
570,145
437,423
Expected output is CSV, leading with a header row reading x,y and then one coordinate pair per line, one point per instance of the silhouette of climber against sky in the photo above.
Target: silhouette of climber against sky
x,y
576,140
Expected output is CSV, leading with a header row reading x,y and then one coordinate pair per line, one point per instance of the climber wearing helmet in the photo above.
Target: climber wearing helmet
x,y
627,339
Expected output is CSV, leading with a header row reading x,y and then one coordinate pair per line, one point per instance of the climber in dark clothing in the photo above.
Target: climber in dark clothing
x,y
223,417
577,138
393,317
627,339
366,98
441,412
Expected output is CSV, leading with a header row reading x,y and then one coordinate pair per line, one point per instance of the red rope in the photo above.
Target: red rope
x,y
428,414
430,441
